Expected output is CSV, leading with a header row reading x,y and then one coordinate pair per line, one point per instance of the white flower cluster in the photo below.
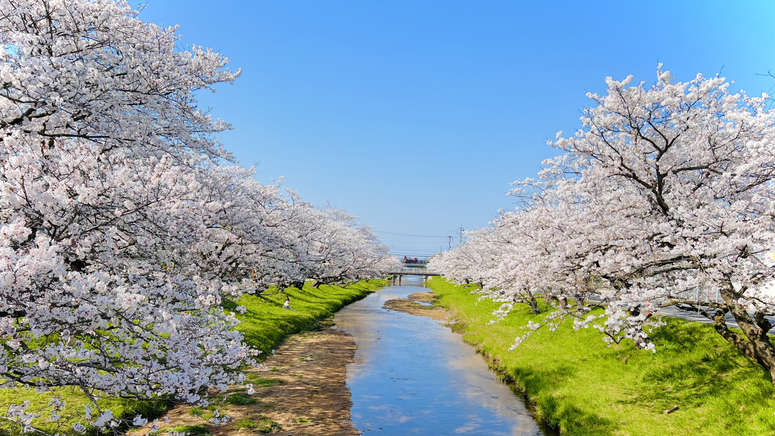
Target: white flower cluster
x,y
121,227
18,413
664,196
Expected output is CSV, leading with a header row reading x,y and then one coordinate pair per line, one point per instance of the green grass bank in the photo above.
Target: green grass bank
x,y
582,386
265,325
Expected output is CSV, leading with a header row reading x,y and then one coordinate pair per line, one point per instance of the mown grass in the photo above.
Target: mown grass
x,y
265,325
581,386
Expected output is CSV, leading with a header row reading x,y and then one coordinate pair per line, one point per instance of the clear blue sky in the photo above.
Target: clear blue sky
x,y
416,115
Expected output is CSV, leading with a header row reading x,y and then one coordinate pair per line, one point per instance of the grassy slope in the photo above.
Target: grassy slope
x,y
584,387
265,325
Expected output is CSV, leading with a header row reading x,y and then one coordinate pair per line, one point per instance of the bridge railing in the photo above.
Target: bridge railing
x,y
413,271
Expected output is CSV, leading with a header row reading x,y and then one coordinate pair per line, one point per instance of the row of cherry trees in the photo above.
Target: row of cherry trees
x,y
664,196
122,223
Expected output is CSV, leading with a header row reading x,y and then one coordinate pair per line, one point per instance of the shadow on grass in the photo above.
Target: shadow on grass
x,y
266,324
572,420
695,364
539,386
539,380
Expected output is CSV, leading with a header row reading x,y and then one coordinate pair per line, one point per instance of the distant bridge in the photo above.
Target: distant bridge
x,y
411,270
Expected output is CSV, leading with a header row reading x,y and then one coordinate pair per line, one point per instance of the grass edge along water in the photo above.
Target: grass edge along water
x,y
581,386
265,325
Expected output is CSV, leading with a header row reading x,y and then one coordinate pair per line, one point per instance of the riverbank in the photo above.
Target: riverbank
x,y
580,386
292,392
266,324
303,390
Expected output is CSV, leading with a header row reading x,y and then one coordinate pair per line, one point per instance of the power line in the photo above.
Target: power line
x,y
393,241
407,234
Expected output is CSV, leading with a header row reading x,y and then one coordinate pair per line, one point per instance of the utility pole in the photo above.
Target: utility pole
x,y
450,243
460,238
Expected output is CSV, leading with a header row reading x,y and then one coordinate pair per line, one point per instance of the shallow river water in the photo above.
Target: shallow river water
x,y
412,375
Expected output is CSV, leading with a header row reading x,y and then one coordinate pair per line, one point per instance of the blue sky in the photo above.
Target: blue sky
x,y
416,115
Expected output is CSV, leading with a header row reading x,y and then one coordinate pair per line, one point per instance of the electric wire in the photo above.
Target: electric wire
x,y
407,234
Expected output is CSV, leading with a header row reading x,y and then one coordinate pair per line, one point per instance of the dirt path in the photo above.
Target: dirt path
x,y
303,393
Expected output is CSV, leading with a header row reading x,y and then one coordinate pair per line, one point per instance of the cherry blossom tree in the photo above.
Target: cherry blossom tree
x,y
103,284
101,188
326,246
121,226
663,194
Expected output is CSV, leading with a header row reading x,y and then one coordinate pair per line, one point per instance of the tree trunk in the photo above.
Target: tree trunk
x,y
754,343
533,303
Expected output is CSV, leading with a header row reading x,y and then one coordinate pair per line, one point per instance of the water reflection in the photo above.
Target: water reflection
x,y
414,376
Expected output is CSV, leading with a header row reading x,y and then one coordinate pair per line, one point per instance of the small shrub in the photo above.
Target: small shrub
x,y
239,399
200,412
191,430
264,425
259,381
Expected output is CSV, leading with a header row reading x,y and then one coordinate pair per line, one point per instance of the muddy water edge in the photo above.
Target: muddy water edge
x,y
413,375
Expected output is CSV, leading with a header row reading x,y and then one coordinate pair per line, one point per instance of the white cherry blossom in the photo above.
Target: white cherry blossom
x,y
663,197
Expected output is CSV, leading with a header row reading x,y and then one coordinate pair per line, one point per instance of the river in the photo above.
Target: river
x,y
412,375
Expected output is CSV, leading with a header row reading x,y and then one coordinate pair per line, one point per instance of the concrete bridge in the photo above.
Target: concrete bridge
x,y
414,270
